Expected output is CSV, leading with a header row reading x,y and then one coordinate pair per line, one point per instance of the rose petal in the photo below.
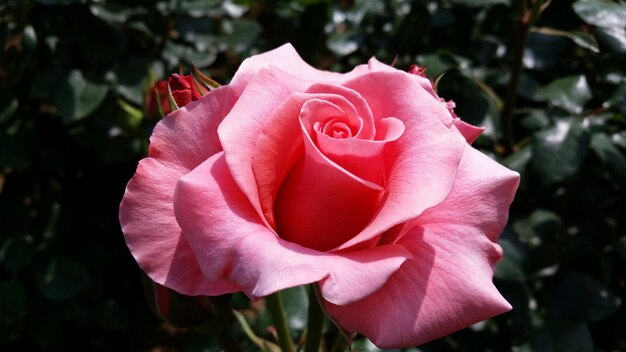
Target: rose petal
x,y
468,131
153,236
179,142
321,205
280,145
232,243
188,136
266,86
240,130
480,198
287,60
423,81
368,130
447,285
361,157
423,161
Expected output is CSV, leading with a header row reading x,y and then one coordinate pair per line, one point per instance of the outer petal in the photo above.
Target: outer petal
x,y
424,82
480,198
180,142
423,161
240,130
447,285
470,132
188,136
287,60
231,242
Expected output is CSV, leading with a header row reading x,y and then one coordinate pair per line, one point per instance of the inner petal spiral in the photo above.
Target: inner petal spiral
x,y
335,189
336,127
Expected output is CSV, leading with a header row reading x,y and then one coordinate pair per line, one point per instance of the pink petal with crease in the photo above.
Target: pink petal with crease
x,y
179,143
287,60
240,130
232,243
423,161
470,132
361,157
447,285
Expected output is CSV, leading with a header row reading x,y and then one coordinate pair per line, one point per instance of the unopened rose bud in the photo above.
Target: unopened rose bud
x,y
183,91
416,70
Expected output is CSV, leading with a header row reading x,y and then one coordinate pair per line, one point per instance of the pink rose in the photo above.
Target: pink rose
x,y
363,182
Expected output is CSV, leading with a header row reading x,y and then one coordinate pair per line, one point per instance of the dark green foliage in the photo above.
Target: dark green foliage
x,y
73,78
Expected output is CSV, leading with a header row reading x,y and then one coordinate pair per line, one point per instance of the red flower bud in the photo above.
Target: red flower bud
x,y
416,70
183,89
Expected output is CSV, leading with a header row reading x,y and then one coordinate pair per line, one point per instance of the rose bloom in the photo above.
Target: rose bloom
x,y
183,89
364,183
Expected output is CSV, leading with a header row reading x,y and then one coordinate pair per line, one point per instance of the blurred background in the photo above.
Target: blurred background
x,y
74,75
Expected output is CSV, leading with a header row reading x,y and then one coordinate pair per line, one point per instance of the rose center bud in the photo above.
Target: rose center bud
x,y
335,128
334,190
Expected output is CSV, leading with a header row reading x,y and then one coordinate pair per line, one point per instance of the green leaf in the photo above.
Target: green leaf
x,y
544,51
437,64
296,301
131,80
343,43
536,120
29,38
518,160
559,151
540,224
582,39
569,93
614,38
612,158
134,114
239,35
481,3
78,97
585,40
110,13
174,53
62,279
618,98
601,13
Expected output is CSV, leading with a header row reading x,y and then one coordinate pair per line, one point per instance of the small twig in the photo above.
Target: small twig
x,y
524,19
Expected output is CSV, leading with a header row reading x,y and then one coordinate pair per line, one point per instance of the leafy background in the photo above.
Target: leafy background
x,y
73,77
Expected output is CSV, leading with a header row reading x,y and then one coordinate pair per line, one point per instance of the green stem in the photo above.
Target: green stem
x,y
521,36
315,323
524,19
277,311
